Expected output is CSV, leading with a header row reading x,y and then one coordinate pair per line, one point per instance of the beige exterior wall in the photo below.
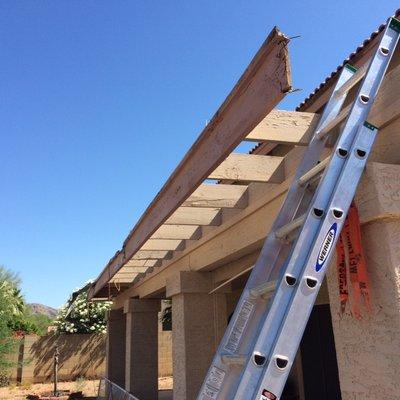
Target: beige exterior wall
x,y
164,352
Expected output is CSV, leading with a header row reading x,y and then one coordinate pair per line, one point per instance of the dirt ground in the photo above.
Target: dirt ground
x,y
88,387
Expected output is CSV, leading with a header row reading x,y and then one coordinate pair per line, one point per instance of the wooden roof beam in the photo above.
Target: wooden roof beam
x,y
195,216
227,196
287,127
192,232
152,255
251,168
123,279
140,263
132,270
164,244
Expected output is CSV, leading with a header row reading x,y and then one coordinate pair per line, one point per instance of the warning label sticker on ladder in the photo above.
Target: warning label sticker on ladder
x,y
215,377
213,384
239,326
209,393
266,395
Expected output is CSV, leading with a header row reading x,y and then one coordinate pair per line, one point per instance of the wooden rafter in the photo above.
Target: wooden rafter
x,y
228,196
152,255
288,127
140,263
131,271
195,216
164,244
192,232
252,168
123,279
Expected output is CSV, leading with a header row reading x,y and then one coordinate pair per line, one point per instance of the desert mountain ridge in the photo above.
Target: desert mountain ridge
x,y
42,309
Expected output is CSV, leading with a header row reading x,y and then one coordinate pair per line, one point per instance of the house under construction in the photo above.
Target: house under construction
x,y
198,241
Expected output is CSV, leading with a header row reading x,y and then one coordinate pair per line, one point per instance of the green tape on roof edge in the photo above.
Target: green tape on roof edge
x,y
370,126
394,24
350,67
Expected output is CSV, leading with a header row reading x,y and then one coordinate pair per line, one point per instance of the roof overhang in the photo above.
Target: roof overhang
x,y
261,87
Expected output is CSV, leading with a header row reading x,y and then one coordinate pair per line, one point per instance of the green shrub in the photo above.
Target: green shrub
x,y
80,315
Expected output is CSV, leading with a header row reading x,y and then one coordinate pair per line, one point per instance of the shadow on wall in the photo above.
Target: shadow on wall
x,y
81,355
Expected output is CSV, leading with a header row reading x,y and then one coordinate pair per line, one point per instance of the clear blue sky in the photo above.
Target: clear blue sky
x,y
101,99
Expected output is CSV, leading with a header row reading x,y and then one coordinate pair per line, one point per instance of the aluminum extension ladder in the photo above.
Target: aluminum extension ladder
x,y
257,351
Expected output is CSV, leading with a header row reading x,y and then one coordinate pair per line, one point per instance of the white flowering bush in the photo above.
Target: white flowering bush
x,y
80,315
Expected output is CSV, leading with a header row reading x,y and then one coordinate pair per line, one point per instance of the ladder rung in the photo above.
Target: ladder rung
x,y
281,233
263,290
328,127
233,359
360,73
227,282
313,171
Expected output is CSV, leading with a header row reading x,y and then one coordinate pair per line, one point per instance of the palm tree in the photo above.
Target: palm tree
x,y
12,305
11,292
10,276
13,297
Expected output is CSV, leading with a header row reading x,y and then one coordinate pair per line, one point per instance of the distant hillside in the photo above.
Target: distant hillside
x,y
42,309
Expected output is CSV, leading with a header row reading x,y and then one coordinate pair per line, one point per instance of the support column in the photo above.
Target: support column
x,y
368,351
115,348
141,367
198,324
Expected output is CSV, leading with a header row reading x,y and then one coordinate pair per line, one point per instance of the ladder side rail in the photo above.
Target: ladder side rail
x,y
308,234
306,291
272,247
313,172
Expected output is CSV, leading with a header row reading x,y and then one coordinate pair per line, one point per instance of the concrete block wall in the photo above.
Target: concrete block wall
x,y
80,356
